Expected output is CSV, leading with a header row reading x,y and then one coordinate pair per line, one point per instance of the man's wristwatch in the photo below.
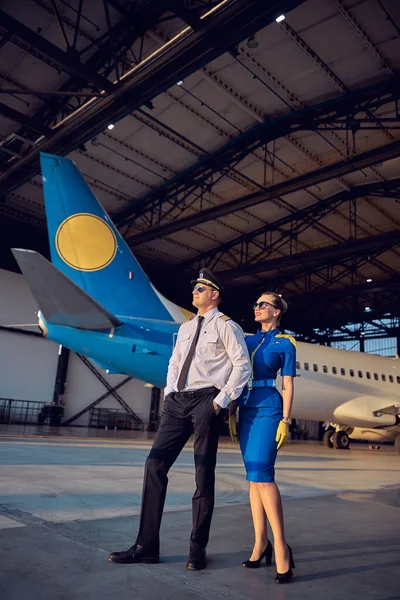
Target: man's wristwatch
x,y
287,420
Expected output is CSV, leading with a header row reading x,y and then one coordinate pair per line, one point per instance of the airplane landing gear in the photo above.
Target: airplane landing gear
x,y
340,440
327,439
338,437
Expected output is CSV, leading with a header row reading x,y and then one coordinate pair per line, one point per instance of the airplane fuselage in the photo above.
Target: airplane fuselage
x,y
140,347
331,385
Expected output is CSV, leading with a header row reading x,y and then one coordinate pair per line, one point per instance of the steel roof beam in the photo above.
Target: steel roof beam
x,y
331,295
309,215
21,119
313,258
343,167
221,29
229,155
67,62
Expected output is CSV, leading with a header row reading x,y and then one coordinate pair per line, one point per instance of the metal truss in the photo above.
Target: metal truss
x,y
365,328
314,270
321,256
110,391
193,48
109,55
201,177
357,162
250,246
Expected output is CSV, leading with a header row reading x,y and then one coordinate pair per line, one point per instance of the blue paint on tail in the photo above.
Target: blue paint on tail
x,y
122,286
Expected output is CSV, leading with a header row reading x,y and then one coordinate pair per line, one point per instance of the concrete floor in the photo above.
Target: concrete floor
x,y
66,503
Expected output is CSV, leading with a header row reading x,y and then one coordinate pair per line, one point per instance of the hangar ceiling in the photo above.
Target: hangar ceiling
x,y
216,136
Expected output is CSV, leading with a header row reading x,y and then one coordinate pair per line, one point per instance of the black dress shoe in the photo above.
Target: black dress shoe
x,y
135,554
197,559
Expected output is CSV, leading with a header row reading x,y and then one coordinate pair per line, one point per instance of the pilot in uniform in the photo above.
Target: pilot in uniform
x,y
208,369
261,403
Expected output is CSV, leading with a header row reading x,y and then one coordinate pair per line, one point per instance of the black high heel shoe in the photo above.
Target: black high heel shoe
x,y
288,576
254,564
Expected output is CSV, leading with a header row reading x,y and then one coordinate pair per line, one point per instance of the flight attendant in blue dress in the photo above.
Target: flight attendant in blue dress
x,y
264,418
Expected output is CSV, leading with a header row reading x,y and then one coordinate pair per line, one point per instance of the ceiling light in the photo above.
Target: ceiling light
x,y
110,126
280,18
369,280
180,82
252,42
367,308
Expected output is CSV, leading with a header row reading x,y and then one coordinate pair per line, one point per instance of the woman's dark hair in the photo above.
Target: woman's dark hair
x,y
278,302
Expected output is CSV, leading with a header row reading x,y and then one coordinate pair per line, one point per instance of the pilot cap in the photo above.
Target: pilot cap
x,y
206,277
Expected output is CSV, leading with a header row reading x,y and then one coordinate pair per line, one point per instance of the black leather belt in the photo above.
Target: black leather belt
x,y
201,392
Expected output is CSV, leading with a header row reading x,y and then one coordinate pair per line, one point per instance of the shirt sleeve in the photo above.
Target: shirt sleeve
x,y
232,337
289,359
173,367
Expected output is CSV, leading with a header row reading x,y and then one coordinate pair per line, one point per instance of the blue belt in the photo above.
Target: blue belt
x,y
261,383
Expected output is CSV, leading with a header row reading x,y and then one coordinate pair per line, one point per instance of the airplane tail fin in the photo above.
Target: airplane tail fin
x,y
87,247
61,302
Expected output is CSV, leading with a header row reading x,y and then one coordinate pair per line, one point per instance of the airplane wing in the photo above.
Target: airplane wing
x,y
60,300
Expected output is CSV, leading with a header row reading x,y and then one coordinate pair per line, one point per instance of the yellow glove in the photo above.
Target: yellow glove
x,y
233,428
282,434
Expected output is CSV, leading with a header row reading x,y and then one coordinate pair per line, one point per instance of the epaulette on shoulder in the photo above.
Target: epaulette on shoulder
x,y
225,318
289,337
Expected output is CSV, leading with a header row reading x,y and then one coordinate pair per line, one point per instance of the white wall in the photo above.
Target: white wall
x,y
83,388
28,364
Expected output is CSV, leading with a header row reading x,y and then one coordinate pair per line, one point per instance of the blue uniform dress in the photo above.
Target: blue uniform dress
x,y
261,403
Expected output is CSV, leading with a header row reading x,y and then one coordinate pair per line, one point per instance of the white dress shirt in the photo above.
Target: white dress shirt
x,y
221,358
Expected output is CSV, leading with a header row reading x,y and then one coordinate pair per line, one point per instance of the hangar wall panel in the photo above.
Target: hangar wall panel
x,y
27,367
28,364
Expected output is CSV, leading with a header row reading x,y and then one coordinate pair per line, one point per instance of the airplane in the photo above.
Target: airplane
x,y
95,299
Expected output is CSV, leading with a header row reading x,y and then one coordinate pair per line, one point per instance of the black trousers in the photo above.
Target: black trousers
x,y
184,413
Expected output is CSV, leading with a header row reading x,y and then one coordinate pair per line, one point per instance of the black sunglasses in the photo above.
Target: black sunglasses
x,y
263,304
199,288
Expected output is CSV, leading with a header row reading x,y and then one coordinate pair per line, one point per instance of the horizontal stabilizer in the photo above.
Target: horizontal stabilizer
x,y
60,301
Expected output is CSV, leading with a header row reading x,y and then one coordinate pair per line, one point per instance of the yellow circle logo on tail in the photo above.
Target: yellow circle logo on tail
x,y
86,242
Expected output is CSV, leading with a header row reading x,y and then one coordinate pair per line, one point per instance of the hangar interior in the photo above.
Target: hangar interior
x,y
214,133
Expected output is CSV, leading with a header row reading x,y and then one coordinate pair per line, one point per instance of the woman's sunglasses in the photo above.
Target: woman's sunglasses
x,y
262,305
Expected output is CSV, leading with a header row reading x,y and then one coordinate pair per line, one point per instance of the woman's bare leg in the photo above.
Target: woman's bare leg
x,y
259,521
272,503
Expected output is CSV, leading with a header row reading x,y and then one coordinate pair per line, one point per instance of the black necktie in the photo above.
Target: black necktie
x,y
185,368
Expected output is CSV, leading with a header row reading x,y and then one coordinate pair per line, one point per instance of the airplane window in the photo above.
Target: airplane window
x,y
383,377
334,370
351,372
306,366
398,379
342,371
391,378
368,374
325,369
297,365
315,367
376,376
360,373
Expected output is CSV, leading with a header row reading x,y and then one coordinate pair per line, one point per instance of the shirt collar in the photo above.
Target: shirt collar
x,y
269,333
210,314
